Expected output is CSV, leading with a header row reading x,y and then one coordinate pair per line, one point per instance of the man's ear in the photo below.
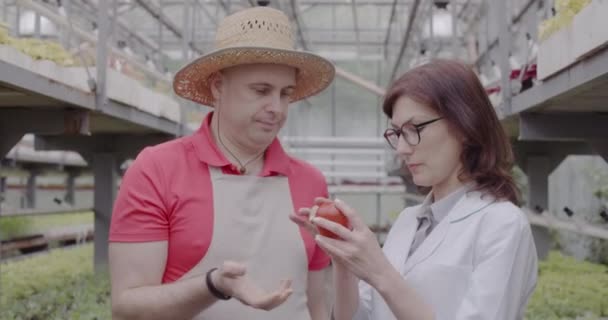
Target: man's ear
x,y
215,84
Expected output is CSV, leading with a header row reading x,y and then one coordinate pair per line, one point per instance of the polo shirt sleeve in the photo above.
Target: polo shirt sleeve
x,y
320,260
140,213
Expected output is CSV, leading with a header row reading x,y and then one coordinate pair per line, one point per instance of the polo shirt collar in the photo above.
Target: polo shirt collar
x,y
276,161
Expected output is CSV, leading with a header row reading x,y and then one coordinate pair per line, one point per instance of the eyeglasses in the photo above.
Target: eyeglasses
x,y
409,131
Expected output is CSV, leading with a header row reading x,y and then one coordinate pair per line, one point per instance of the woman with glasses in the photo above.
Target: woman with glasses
x,y
467,251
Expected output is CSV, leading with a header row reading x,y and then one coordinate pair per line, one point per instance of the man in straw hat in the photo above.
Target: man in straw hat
x,y
201,225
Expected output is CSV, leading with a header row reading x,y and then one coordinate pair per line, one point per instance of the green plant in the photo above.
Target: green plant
x,y
599,247
521,180
598,176
39,49
4,37
58,285
17,226
602,193
62,285
569,289
11,227
43,223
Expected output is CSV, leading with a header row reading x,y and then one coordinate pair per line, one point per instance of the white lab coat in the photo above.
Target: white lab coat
x,y
478,263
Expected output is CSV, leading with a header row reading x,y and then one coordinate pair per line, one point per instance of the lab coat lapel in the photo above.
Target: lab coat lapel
x,y
468,205
428,246
400,238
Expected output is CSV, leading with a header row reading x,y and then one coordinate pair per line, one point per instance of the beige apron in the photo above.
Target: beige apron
x,y
251,225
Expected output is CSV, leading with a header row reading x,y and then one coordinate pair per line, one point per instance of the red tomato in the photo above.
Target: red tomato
x,y
328,211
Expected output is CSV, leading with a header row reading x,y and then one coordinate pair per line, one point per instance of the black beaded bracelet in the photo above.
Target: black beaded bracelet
x,y
214,291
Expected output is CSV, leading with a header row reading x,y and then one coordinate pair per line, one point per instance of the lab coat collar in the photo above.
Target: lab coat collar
x,y
471,203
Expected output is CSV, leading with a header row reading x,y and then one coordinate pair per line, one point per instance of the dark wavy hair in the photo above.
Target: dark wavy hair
x,y
455,92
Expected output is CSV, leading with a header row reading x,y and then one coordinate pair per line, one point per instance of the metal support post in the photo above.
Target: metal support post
x,y
103,22
30,191
106,177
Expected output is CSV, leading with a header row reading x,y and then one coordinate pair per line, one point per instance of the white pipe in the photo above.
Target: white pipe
x,y
28,154
334,142
354,189
546,219
327,151
355,174
338,163
365,84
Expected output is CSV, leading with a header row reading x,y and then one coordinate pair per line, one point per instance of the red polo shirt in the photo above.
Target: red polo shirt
x,y
166,194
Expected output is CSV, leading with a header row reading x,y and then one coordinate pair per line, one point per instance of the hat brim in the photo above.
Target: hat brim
x,y
315,73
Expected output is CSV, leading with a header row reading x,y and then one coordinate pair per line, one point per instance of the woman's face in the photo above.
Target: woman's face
x,y
435,160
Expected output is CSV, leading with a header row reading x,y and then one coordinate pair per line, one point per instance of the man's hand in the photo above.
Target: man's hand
x,y
303,216
231,279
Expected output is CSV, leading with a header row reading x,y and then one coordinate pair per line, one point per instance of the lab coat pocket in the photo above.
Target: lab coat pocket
x,y
442,286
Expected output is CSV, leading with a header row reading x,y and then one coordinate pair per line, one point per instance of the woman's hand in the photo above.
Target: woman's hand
x,y
358,250
302,217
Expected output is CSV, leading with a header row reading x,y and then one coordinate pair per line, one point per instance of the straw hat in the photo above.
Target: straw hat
x,y
255,35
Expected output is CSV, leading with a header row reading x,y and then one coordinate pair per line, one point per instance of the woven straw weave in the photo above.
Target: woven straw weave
x,y
256,35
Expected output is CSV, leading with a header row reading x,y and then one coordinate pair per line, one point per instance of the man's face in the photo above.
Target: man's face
x,y
253,101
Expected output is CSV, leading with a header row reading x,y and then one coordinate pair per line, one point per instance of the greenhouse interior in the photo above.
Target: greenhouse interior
x,y
87,85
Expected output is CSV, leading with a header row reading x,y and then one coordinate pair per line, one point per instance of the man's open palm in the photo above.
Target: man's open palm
x,y
232,279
